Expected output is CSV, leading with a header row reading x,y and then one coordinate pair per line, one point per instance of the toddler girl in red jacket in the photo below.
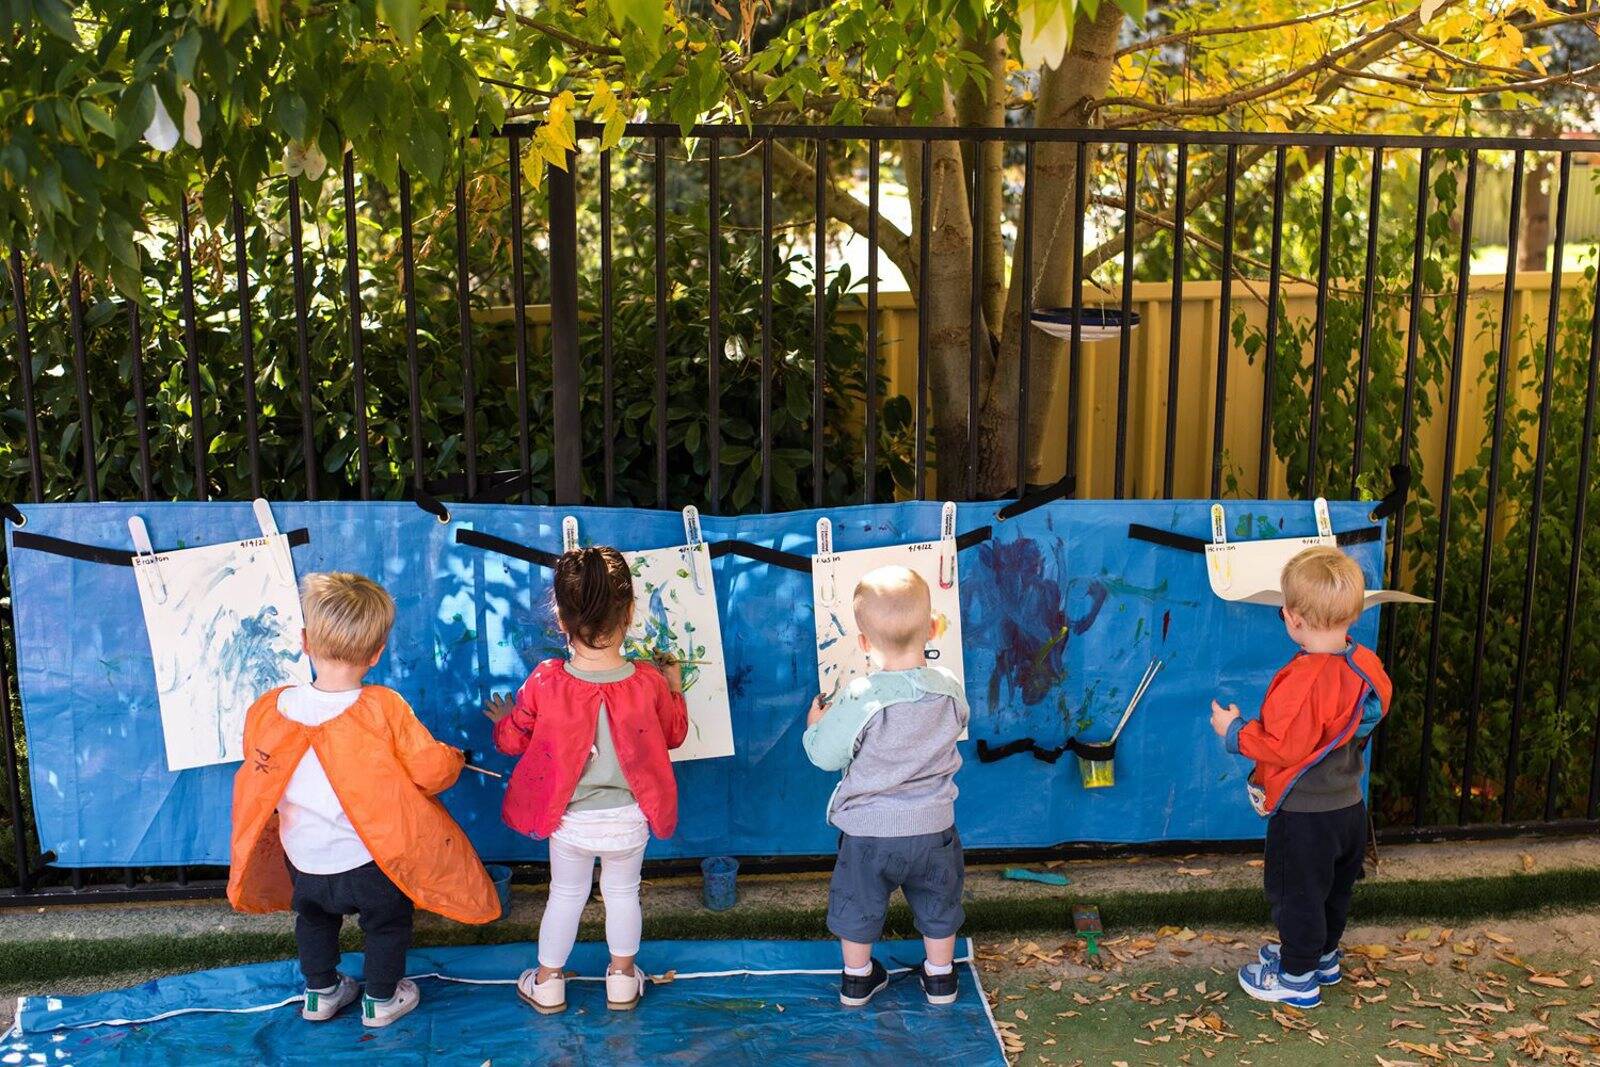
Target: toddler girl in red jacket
x,y
1308,745
593,731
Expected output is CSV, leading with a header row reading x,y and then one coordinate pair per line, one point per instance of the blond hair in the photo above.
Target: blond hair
x,y
894,609
1325,587
348,616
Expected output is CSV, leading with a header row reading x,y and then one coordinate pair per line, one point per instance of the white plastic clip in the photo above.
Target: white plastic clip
x,y
1324,524
569,534
947,545
277,546
1219,558
692,538
145,561
825,556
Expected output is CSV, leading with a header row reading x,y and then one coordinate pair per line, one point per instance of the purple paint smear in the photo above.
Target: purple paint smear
x,y
1032,624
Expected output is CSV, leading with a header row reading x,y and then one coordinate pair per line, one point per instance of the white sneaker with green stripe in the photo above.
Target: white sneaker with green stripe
x,y
323,1004
383,1012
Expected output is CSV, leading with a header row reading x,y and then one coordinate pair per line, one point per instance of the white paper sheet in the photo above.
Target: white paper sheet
x,y
671,614
833,584
224,624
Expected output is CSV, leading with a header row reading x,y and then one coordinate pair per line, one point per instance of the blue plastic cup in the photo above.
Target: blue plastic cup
x,y
719,891
501,877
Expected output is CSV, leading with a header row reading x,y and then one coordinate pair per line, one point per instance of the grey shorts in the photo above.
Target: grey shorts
x,y
926,867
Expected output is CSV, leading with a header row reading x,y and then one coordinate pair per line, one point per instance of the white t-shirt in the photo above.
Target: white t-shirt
x,y
316,833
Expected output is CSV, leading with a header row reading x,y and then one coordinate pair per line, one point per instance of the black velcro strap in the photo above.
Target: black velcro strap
x,y
973,537
491,543
1028,501
12,514
1166,538
988,753
1185,543
761,554
431,505
1394,501
117,557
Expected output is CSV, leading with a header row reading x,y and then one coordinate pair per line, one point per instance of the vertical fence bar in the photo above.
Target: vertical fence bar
x,y
80,374
302,341
19,834
870,463
1577,547
19,307
714,327
607,385
141,414
1536,506
766,324
1080,193
1457,344
1320,331
1130,217
1368,285
1225,309
819,297
660,240
1408,421
408,287
924,221
191,348
1025,339
352,275
1179,209
469,371
1269,367
975,327
519,315
247,350
565,373
1497,434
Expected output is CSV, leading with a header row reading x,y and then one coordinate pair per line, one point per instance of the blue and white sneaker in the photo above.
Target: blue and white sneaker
x,y
1266,981
1328,972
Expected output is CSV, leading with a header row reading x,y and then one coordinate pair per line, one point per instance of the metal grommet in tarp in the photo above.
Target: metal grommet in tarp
x,y
432,506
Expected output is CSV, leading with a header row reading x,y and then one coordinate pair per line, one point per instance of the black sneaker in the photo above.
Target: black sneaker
x,y
938,988
856,989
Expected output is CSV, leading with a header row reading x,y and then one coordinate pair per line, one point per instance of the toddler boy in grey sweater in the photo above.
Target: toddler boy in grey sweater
x,y
893,733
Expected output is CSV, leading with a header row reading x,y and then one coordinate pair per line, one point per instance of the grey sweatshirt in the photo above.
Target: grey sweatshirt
x,y
893,733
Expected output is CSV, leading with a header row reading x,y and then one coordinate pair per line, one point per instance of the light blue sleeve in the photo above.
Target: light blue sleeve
x,y
831,743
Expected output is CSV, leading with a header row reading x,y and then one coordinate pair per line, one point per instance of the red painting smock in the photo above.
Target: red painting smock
x,y
552,728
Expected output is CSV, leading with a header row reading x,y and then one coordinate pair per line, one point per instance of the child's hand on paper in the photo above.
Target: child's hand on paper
x,y
1222,717
670,669
499,706
818,710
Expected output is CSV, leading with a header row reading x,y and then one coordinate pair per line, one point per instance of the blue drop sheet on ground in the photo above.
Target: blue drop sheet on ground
x,y
732,1002
1061,612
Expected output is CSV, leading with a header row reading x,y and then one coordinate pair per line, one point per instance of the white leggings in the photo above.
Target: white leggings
x,y
571,874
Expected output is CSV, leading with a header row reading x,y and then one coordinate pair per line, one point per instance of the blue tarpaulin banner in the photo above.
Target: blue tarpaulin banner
x,y
1061,612
733,1002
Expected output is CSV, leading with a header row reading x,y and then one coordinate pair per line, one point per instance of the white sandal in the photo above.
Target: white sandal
x,y
548,997
624,991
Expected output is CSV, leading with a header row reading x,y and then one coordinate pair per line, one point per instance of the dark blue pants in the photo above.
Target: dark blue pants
x,y
320,903
1313,861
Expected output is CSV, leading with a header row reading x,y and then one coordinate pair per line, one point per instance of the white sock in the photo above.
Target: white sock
x,y
938,968
859,972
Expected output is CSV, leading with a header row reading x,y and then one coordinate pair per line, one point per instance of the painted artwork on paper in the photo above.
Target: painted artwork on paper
x,y
675,612
224,624
833,584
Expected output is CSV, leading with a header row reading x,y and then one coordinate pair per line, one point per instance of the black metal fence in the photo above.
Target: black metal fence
x,y
1314,403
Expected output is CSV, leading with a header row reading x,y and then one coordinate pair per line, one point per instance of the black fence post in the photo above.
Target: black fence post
x,y
564,332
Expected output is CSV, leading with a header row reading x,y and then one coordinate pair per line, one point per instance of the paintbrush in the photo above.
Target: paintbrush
x,y
1150,673
484,771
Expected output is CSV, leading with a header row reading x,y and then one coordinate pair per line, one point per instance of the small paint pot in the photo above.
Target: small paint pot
x,y
719,891
500,875
1096,764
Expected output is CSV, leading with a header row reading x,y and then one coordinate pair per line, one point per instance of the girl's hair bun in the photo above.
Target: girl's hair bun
x,y
593,594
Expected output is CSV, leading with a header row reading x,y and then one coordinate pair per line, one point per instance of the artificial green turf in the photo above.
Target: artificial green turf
x,y
1451,899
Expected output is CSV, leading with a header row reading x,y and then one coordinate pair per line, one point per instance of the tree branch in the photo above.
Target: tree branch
x,y
892,241
1571,77
1170,39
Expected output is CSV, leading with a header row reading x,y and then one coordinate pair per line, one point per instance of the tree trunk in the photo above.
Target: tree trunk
x,y
1064,95
1534,242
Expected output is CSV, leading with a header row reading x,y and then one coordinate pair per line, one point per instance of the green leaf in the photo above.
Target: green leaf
x,y
403,17
57,18
645,14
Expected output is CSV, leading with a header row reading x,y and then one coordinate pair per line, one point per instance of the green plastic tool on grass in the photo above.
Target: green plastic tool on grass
x,y
1022,874
1086,921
